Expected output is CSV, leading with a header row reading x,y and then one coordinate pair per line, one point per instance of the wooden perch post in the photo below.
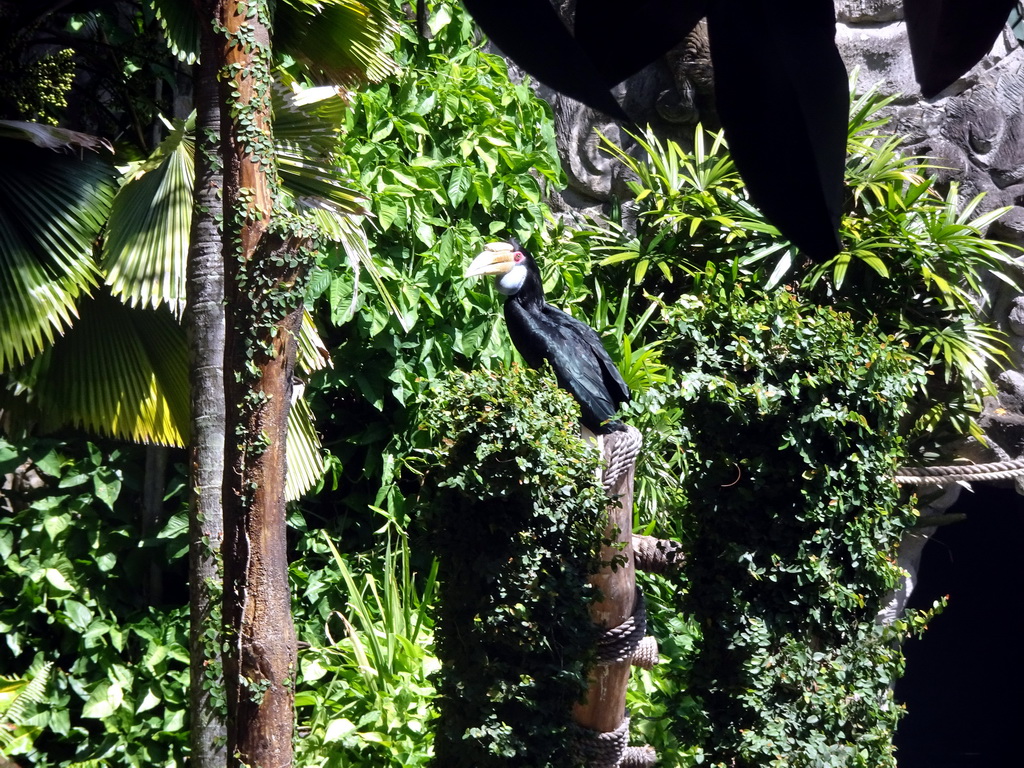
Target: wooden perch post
x,y
605,704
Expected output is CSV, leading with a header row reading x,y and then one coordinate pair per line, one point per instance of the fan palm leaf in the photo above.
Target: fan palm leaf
x,y
52,209
346,40
304,452
180,24
118,372
146,249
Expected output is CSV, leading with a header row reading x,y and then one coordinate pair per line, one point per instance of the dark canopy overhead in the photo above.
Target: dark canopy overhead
x,y
780,86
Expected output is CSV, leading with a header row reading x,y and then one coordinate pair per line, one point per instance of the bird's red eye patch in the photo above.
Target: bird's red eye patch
x,y
518,256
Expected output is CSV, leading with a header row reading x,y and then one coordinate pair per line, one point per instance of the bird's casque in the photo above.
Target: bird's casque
x,y
542,333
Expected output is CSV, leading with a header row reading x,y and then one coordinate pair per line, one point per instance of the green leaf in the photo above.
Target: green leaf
x,y
104,701
57,580
51,463
107,486
80,614
459,184
52,209
54,525
150,701
338,729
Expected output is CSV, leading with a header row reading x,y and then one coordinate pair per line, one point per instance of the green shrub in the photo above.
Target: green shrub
x,y
791,431
73,563
514,516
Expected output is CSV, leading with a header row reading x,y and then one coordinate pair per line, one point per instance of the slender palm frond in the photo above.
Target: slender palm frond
x,y
118,371
180,24
308,119
305,454
309,180
346,40
307,123
313,354
52,137
18,693
146,250
52,209
348,232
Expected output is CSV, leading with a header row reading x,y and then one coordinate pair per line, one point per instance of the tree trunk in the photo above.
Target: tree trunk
x,y
205,323
262,320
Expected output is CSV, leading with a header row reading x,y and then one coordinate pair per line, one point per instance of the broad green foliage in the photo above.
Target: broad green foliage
x,y
915,257
515,517
73,602
450,154
71,581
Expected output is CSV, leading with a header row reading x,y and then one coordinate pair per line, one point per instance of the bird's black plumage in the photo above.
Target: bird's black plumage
x,y
543,333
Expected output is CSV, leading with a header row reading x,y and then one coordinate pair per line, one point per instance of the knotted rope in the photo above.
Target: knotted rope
x,y
638,757
646,654
998,470
603,749
611,749
657,555
624,447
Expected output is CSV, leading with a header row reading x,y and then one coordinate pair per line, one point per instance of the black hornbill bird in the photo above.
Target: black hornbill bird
x,y
543,333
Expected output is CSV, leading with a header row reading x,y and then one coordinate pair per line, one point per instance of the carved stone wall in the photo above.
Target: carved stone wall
x,y
974,133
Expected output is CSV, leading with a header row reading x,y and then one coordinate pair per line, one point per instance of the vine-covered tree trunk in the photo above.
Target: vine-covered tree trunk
x,y
205,323
261,320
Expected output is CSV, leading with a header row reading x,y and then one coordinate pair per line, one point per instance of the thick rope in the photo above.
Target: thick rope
x,y
646,654
603,750
657,555
611,749
620,643
626,642
639,757
624,448
999,470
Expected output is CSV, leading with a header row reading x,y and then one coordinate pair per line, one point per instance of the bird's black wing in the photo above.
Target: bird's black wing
x,y
584,368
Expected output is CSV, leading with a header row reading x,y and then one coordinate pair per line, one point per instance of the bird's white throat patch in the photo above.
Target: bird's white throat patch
x,y
510,283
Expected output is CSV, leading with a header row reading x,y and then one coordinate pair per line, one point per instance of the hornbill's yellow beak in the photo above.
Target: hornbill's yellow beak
x,y
497,259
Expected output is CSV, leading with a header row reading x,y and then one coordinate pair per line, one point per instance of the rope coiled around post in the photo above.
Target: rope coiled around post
x,y
602,749
620,643
611,749
624,448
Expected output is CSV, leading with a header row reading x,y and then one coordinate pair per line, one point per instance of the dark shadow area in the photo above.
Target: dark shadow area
x,y
964,678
